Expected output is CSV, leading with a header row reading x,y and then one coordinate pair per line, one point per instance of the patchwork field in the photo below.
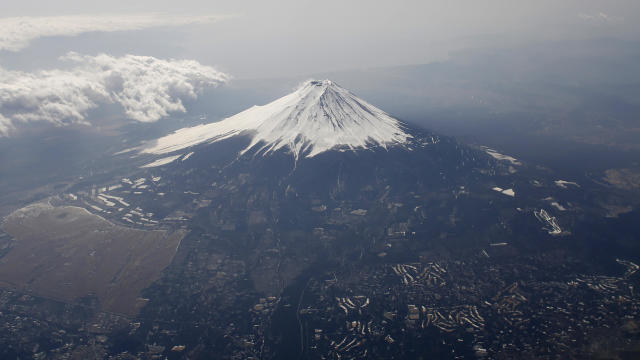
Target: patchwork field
x,y
68,253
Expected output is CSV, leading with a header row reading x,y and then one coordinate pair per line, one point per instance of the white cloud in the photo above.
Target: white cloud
x,y
147,88
599,17
17,32
4,125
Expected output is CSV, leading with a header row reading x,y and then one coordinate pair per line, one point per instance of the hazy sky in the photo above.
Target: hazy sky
x,y
275,38
61,60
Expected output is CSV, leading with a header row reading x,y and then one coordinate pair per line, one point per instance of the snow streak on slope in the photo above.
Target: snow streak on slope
x,y
163,161
317,117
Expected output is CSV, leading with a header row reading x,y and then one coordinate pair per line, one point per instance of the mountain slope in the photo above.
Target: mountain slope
x,y
318,116
335,213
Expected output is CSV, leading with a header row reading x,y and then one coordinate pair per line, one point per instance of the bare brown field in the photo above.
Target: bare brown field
x,y
68,253
626,179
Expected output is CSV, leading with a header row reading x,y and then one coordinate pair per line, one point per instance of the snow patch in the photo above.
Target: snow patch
x,y
187,156
508,192
551,223
117,198
557,205
554,203
563,184
106,201
496,155
162,161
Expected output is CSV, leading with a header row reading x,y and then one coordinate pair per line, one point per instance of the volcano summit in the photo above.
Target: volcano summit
x,y
318,116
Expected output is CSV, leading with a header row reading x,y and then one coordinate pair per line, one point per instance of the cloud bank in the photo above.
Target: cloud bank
x,y
17,32
147,88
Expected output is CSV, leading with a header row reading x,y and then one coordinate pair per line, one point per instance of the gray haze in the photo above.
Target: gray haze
x,y
269,39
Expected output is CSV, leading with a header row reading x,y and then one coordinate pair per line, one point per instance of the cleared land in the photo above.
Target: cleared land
x,y
627,179
68,253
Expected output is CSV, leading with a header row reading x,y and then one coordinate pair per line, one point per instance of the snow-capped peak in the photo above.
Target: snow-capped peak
x,y
318,116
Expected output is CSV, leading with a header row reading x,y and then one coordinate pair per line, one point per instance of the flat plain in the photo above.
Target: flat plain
x,y
70,254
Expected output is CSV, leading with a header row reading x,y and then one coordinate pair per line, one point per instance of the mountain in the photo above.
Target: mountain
x,y
319,144
315,183
318,226
317,117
